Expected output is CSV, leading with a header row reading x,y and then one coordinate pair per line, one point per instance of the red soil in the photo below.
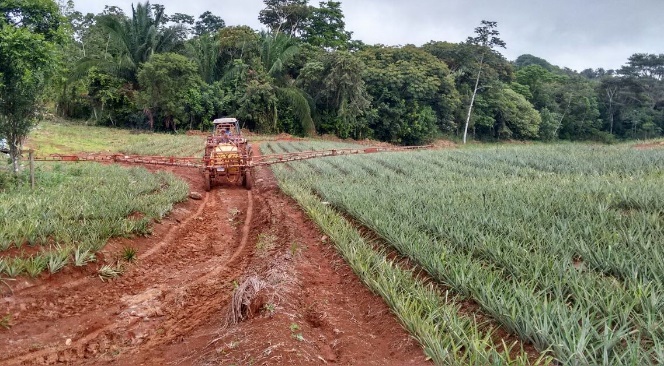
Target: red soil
x,y
651,145
171,306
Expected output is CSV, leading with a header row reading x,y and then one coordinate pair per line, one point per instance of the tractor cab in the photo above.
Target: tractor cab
x,y
226,125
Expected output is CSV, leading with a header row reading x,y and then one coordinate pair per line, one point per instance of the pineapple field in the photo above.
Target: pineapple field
x,y
505,254
558,245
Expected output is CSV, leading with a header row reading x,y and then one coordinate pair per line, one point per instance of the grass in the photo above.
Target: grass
x,y
265,243
66,137
6,321
75,209
557,243
129,254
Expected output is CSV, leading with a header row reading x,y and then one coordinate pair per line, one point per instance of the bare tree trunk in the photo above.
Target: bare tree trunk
x,y
150,118
610,94
472,101
14,152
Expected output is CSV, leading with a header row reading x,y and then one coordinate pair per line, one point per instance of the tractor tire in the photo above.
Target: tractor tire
x,y
247,182
207,182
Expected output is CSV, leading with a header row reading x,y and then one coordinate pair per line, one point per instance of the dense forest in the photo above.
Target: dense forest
x,y
305,74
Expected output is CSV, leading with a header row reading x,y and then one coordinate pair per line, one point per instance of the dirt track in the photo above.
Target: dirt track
x,y
170,307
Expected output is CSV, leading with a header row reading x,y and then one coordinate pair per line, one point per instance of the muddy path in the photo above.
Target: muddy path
x,y
171,306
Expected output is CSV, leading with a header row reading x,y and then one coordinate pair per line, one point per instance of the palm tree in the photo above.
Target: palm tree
x,y
137,38
205,50
276,51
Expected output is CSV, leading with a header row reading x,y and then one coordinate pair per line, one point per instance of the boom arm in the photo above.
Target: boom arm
x,y
304,155
194,162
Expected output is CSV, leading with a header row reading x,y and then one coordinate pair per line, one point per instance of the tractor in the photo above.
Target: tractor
x,y
227,155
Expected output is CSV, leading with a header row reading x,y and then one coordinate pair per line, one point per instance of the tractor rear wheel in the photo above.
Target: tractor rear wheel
x,y
247,182
207,182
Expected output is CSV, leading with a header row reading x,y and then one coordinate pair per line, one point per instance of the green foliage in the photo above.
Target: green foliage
x,y
326,27
208,23
555,243
238,43
297,78
29,31
289,17
514,116
400,80
550,124
136,39
432,317
335,83
166,81
76,209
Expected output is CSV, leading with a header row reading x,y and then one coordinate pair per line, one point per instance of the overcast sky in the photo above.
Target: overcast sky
x,y
569,33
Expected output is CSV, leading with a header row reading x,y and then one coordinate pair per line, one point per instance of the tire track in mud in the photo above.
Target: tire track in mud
x,y
86,280
192,287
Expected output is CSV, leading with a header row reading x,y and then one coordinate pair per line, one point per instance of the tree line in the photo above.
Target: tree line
x,y
305,74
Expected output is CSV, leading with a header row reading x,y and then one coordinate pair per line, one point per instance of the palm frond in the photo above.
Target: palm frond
x,y
301,107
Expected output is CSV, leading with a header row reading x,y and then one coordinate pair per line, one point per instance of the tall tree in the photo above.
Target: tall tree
x,y
286,16
270,89
327,27
166,80
29,32
208,23
335,83
413,94
486,39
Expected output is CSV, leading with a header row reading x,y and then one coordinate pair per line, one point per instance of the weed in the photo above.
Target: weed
x,y
266,242
294,327
129,254
233,214
5,321
270,308
298,337
296,248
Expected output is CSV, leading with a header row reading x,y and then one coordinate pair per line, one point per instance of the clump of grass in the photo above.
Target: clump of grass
x,y
295,249
266,242
129,254
6,321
